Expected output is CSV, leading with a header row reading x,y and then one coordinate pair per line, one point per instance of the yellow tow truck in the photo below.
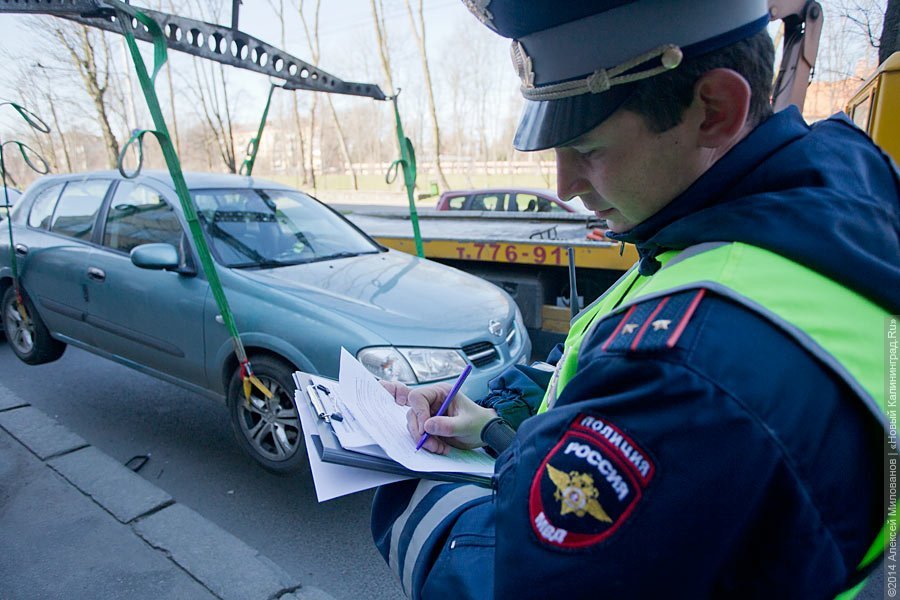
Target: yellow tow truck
x,y
876,106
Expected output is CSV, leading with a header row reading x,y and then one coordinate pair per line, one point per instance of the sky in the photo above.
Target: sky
x,y
346,34
457,45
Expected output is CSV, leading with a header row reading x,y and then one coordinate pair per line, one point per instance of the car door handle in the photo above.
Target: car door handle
x,y
96,274
21,249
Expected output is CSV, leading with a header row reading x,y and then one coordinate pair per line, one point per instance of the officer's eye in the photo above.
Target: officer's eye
x,y
592,153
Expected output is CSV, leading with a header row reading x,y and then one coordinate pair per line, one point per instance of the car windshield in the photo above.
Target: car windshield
x,y
269,228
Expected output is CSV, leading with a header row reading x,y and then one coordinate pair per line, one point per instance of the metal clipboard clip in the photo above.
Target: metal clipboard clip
x,y
319,404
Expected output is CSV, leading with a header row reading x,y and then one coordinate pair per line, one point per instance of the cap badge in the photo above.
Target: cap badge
x,y
479,9
523,65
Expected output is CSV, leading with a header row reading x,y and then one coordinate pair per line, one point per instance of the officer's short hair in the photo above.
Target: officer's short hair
x,y
662,100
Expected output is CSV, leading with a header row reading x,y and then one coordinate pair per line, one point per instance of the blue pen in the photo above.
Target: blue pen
x,y
447,400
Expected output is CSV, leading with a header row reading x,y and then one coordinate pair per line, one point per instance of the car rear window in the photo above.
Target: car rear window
x,y
456,203
77,208
42,207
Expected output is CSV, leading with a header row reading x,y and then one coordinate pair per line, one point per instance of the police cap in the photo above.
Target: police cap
x,y
580,60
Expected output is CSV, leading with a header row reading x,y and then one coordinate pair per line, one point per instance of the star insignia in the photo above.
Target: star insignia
x,y
661,324
629,328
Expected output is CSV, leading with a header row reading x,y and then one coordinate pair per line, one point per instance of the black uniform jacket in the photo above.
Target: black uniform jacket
x,y
731,465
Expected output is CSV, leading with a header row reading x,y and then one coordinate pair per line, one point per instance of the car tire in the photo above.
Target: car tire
x,y
268,430
29,339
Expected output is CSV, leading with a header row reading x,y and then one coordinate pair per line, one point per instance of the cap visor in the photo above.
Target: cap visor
x,y
552,123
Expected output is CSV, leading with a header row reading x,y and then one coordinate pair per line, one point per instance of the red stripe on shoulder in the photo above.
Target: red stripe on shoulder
x,y
682,324
618,328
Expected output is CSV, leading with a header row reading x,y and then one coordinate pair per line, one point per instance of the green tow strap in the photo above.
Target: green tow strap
x,y
36,123
408,162
124,15
253,146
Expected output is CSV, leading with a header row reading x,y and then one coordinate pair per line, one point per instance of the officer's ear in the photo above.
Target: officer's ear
x,y
724,98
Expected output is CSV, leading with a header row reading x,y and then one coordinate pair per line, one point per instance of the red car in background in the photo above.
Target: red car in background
x,y
508,200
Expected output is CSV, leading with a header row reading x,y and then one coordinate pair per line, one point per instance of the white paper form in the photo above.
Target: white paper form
x,y
331,480
385,421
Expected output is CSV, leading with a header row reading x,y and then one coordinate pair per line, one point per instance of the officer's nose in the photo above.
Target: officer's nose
x,y
570,181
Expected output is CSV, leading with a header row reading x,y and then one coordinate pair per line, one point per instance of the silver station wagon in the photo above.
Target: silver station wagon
x,y
107,264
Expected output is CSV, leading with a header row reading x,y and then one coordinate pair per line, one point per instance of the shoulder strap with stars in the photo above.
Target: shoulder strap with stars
x,y
655,324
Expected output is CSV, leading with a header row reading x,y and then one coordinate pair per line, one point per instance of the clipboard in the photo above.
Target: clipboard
x,y
329,449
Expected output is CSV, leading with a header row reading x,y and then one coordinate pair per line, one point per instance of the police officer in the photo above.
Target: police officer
x,y
714,424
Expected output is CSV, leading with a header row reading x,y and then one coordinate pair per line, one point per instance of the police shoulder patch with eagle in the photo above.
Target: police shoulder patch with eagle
x,y
588,484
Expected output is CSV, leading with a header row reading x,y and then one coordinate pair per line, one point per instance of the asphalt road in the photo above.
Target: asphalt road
x,y
195,459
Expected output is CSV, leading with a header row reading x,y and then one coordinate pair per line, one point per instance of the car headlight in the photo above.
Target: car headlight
x,y
412,365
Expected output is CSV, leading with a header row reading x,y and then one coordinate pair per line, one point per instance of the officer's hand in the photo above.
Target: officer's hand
x,y
460,427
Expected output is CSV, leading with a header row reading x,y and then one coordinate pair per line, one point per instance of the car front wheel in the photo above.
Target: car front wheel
x,y
268,429
28,336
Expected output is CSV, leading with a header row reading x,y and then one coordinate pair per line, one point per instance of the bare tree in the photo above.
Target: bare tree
x,y
176,138
384,53
38,82
295,105
211,90
314,98
82,45
312,39
419,33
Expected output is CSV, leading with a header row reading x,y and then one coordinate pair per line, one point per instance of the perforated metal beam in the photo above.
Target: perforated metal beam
x,y
218,43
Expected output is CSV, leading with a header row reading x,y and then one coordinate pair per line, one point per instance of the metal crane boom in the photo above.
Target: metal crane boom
x,y
220,43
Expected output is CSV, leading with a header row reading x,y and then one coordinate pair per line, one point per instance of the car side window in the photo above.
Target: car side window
x,y
77,208
486,202
139,215
42,207
527,202
456,203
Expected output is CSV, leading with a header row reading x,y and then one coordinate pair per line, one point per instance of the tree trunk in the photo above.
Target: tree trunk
x,y
345,152
177,138
312,41
219,125
228,130
890,32
59,131
420,38
86,64
298,124
384,53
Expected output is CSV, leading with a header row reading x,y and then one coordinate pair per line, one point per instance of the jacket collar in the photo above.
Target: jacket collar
x,y
714,187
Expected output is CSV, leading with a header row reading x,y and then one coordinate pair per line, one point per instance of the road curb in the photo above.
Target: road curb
x,y
222,563
116,488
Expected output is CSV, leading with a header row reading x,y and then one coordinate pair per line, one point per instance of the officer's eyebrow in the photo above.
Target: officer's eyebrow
x,y
585,142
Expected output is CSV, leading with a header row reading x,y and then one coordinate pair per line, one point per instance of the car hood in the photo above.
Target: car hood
x,y
401,298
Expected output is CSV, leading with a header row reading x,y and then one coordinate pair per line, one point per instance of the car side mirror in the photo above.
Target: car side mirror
x,y
158,257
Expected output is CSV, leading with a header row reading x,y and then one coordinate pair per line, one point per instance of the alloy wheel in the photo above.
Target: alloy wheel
x,y
19,330
270,425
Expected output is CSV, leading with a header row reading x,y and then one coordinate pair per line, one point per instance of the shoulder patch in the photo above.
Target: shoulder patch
x,y
588,485
655,324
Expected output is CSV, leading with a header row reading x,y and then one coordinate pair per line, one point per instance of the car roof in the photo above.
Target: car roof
x,y
194,180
